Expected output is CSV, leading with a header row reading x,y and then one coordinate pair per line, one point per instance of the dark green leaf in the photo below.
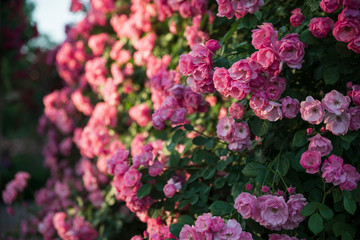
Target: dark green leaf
x,y
186,219
326,212
188,127
221,208
209,172
193,200
351,136
174,159
309,209
144,190
175,229
284,164
219,183
316,223
307,37
349,203
198,156
299,139
331,75
226,37
346,236
200,140
249,21
259,127
177,136
182,204
221,62
253,169
210,143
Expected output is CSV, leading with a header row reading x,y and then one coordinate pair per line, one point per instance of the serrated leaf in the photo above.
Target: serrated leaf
x,y
209,172
299,139
175,229
186,219
351,136
309,209
307,37
200,140
210,143
326,212
316,223
177,136
144,190
249,21
221,208
331,75
219,183
174,159
253,169
259,127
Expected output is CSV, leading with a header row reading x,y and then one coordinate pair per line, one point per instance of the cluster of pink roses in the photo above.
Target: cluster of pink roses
x,y
275,236
339,118
15,186
186,8
209,227
346,29
238,8
75,228
271,211
236,134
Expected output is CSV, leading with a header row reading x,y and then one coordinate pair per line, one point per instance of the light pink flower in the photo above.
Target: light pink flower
x,y
352,177
244,70
266,34
169,190
237,110
335,102
337,124
246,205
295,204
289,107
355,94
320,144
230,231
291,50
311,160
203,223
274,236
354,118
312,110
186,65
274,211
346,30
272,111
131,177
224,128
333,171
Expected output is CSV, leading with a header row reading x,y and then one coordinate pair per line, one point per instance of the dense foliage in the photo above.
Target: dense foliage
x,y
203,120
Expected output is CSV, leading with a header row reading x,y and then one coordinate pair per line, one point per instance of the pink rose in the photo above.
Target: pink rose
x,y
188,233
222,81
330,6
178,116
333,171
319,27
217,223
265,35
273,92
320,144
258,100
354,45
355,94
169,190
349,13
245,236
245,204
289,107
268,58
230,231
351,3
241,131
291,50
213,45
244,70
224,128
237,110
141,114
337,124
296,18
352,177
295,204
131,177
346,30
156,168
203,223
274,236
311,160
186,65
335,102
274,211
312,110
354,118
272,111
239,90
226,9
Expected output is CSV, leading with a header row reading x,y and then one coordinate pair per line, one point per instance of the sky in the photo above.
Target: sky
x,y
51,17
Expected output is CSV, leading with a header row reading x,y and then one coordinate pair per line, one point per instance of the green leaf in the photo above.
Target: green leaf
x,y
154,211
299,139
346,236
226,37
182,204
351,136
186,219
337,195
194,199
210,143
174,159
175,229
198,156
221,62
249,21
331,75
259,127
200,140
316,223
307,37
253,169
326,212
349,203
144,190
177,136
209,172
219,183
284,164
188,127
221,208
221,165
309,209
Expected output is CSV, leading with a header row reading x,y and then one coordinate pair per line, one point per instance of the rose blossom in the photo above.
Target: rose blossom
x,y
274,236
320,144
296,18
291,50
237,110
354,45
267,57
274,211
244,70
272,111
333,171
319,27
213,45
245,204
354,118
335,102
169,190
295,204
346,30
230,231
355,94
186,65
311,160
351,4
203,223
131,177
289,107
224,128
312,110
329,6
337,124
222,81
352,177
266,34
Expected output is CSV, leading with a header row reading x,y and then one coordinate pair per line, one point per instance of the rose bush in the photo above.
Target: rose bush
x,y
147,90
